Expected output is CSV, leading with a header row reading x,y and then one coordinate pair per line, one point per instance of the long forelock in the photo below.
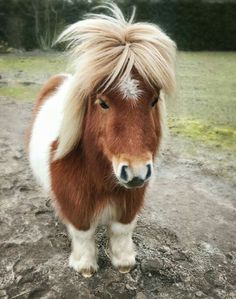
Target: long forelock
x,y
104,48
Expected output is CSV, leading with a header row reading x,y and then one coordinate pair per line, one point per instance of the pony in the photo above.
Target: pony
x,y
95,135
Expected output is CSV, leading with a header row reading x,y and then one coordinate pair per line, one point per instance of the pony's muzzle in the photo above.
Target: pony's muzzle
x,y
134,175
135,182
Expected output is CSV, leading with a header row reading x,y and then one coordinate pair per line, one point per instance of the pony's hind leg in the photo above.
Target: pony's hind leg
x,y
83,257
121,246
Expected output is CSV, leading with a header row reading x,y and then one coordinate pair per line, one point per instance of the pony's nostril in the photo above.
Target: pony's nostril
x,y
123,173
149,171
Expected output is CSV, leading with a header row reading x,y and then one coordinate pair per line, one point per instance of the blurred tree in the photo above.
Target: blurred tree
x,y
194,24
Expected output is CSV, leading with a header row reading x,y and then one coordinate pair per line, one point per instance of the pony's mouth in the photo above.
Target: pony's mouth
x,y
136,182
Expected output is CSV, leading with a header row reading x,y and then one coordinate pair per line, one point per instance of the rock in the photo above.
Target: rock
x,y
164,249
152,265
3,294
179,256
140,295
17,155
130,287
18,279
199,294
214,278
229,256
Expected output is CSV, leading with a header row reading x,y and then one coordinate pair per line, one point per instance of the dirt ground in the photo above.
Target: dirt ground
x,y
185,236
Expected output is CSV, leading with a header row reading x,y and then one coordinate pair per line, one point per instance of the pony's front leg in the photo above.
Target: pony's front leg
x,y
83,257
121,246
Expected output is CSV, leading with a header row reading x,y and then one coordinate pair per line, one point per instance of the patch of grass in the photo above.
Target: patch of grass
x,y
34,67
20,92
28,67
205,108
206,87
223,137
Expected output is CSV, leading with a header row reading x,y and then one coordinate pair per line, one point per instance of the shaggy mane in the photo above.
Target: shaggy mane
x,y
104,50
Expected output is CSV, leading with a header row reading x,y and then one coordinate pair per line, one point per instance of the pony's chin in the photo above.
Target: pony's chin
x,y
127,186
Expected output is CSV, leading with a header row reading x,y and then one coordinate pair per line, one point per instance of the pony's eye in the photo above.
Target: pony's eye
x,y
103,104
154,102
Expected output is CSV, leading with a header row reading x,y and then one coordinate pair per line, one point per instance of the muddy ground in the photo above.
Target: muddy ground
x,y
185,236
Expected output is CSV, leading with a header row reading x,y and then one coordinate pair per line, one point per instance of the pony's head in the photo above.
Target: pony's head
x,y
114,103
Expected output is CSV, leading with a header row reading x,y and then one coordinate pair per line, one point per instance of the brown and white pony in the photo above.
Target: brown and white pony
x,y
95,134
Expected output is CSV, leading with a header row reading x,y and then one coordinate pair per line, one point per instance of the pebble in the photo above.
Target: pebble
x,y
214,278
165,249
199,294
18,279
152,265
140,295
130,287
3,294
229,256
17,155
180,256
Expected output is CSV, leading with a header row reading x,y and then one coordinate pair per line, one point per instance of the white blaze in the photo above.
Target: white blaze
x,y
130,88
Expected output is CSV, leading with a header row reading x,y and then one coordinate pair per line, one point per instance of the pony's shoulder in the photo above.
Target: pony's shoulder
x,y
48,90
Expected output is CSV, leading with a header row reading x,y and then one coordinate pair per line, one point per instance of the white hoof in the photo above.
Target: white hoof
x,y
125,269
124,262
84,266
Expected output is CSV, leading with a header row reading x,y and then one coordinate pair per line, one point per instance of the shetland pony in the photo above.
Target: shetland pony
x,y
95,134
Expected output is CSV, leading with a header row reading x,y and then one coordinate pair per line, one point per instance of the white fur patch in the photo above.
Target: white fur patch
x,y
84,251
130,88
121,244
107,215
46,130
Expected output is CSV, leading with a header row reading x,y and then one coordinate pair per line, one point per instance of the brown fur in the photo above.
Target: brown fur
x,y
82,181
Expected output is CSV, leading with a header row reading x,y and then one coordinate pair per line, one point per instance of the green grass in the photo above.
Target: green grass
x,y
36,67
18,70
19,92
205,107
206,87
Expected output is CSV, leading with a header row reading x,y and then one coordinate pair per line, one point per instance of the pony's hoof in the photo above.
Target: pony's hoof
x,y
85,269
124,269
87,272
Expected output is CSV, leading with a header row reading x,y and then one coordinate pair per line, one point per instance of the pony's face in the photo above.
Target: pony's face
x,y
126,126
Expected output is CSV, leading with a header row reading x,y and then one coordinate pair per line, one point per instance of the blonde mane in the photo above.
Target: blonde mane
x,y
104,50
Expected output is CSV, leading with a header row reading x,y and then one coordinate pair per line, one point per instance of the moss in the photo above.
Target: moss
x,y
218,136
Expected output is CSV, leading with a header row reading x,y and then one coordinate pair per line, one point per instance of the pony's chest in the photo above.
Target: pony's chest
x,y
107,215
